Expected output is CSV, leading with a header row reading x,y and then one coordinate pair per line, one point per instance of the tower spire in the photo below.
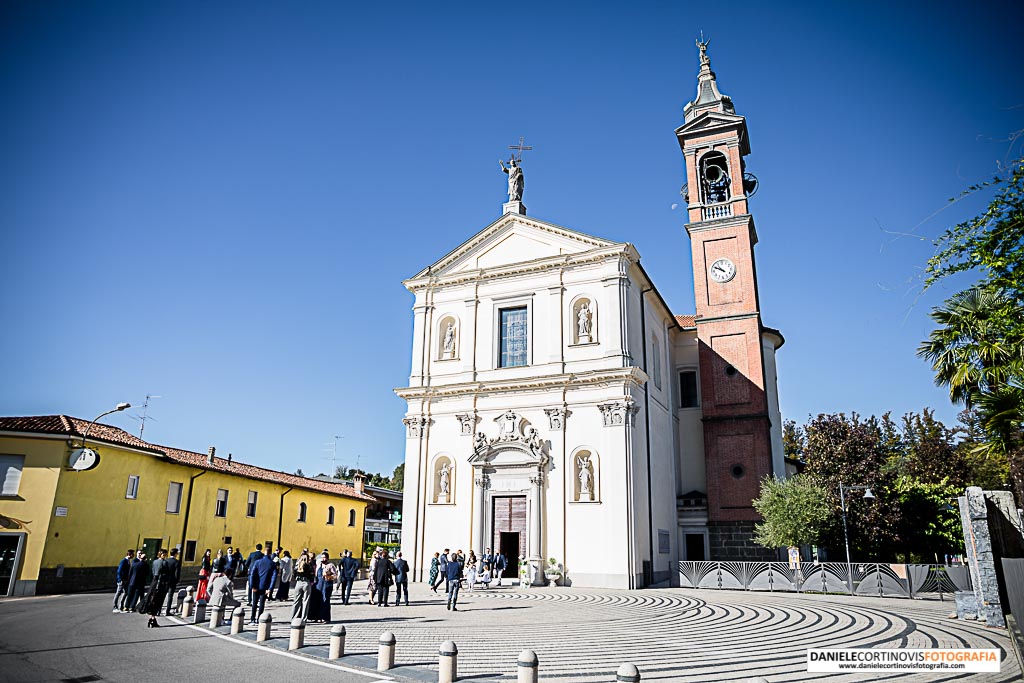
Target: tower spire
x,y
708,96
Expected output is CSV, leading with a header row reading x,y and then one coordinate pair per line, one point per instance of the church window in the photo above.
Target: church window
x,y
514,336
656,365
330,515
352,517
302,512
738,471
688,397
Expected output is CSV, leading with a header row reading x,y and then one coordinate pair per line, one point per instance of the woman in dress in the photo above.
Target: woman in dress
x,y
371,585
435,567
162,578
326,575
204,576
284,567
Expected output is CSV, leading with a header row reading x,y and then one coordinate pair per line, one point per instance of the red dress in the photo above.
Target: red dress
x,y
204,576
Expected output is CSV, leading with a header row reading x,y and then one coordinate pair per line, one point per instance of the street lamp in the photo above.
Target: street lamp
x,y
846,537
83,458
117,409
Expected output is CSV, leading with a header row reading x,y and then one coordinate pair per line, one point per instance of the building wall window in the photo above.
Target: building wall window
x,y
330,515
10,474
221,509
352,517
250,508
174,497
302,512
514,335
190,551
133,487
688,395
656,365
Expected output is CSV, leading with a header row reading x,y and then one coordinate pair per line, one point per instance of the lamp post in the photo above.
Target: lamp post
x,y
846,537
116,409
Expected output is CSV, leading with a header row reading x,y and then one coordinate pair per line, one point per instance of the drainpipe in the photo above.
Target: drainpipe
x,y
188,507
280,516
647,429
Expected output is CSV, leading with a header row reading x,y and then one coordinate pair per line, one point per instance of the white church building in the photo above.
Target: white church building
x,y
557,408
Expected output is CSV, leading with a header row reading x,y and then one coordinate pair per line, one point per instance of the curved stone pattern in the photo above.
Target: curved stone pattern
x,y
670,634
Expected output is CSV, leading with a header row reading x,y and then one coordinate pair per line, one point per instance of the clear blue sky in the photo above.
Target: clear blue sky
x,y
217,202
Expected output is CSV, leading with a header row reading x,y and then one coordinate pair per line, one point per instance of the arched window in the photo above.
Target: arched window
x,y
352,517
302,512
330,515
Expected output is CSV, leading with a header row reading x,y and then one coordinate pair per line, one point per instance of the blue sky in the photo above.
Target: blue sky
x,y
217,202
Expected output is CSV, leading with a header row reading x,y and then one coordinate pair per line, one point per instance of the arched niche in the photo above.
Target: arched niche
x,y
448,337
583,319
442,480
714,177
586,480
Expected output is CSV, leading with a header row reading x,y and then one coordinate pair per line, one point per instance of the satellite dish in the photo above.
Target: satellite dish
x,y
83,459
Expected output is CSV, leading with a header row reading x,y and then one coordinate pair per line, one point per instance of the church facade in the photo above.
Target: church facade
x,y
557,408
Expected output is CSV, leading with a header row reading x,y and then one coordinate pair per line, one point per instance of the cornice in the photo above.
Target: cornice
x,y
630,376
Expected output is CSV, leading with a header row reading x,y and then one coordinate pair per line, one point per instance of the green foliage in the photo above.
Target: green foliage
x,y
793,510
793,440
375,479
369,548
398,478
931,527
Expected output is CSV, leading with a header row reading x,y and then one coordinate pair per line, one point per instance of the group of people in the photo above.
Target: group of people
x,y
146,585
454,568
385,572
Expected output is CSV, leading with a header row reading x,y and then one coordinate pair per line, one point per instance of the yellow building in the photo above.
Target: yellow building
x,y
64,530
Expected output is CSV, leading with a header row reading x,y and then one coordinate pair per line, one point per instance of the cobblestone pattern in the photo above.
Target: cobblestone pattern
x,y
670,634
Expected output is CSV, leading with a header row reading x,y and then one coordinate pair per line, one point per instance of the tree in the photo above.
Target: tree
x,y
398,478
298,473
794,512
793,440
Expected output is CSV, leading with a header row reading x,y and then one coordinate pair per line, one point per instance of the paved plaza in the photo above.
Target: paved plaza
x,y
670,634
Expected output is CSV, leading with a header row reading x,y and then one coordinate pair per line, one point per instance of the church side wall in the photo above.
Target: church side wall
x,y
771,380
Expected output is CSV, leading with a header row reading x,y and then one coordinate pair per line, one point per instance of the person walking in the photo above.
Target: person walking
x,y
174,576
286,568
261,579
371,583
435,569
162,576
138,577
121,576
442,563
499,565
348,570
305,577
326,575
401,580
254,557
205,569
453,574
383,576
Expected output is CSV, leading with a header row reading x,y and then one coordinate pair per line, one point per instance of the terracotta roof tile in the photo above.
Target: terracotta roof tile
x,y
73,426
687,322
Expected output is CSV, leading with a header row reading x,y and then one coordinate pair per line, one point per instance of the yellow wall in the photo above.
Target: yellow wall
x,y
102,523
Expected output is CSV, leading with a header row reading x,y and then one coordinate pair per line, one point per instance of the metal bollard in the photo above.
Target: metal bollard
x,y
337,642
298,633
448,655
216,615
628,673
180,600
263,631
386,651
200,615
188,605
237,621
527,667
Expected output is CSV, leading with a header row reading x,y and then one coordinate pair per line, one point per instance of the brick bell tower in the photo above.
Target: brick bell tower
x,y
737,428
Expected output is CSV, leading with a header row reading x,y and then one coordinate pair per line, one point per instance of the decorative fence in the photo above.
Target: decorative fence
x,y
875,579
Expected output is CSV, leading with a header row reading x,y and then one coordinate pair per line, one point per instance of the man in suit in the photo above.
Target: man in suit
x,y
401,580
442,574
261,579
173,569
138,577
383,576
499,565
349,569
122,580
453,574
254,557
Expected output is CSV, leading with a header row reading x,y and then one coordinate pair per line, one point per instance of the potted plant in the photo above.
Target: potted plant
x,y
524,572
553,572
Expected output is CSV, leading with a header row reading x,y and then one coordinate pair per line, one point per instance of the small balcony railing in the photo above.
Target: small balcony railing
x,y
713,211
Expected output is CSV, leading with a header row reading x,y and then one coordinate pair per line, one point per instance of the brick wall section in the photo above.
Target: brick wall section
x,y
734,542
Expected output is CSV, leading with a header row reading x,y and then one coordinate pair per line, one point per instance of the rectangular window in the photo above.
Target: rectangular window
x,y
133,487
656,352
250,508
174,497
10,474
190,551
221,510
688,397
514,336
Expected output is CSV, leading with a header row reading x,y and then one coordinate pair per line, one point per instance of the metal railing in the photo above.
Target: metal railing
x,y
861,578
715,211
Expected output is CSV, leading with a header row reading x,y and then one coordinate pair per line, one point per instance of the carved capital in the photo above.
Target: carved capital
x,y
466,423
537,479
415,426
556,418
618,413
483,481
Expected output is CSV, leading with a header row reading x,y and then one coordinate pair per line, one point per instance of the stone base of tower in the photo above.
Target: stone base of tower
x,y
734,542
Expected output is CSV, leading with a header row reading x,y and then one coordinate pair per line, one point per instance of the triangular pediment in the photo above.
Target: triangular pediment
x,y
511,239
710,119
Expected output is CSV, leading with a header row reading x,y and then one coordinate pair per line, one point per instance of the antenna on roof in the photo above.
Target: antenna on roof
x,y
145,416
333,457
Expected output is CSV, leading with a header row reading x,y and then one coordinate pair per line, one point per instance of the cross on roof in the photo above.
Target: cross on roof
x,y
520,148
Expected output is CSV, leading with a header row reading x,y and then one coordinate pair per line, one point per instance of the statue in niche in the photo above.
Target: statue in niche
x,y
586,477
445,483
515,179
583,322
449,341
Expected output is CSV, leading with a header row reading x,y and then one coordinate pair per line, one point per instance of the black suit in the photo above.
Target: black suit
x,y
401,581
173,569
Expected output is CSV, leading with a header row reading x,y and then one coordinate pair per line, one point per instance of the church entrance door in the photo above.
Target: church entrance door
x,y
508,514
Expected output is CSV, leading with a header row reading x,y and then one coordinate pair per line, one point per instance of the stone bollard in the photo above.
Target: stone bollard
x,y
187,606
298,633
180,600
237,621
386,651
628,673
448,655
200,615
527,667
263,630
216,615
337,642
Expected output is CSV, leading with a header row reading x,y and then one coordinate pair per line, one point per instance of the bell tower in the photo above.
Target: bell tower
x,y
734,402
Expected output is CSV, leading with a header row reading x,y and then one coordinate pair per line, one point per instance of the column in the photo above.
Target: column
x,y
536,561
480,524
